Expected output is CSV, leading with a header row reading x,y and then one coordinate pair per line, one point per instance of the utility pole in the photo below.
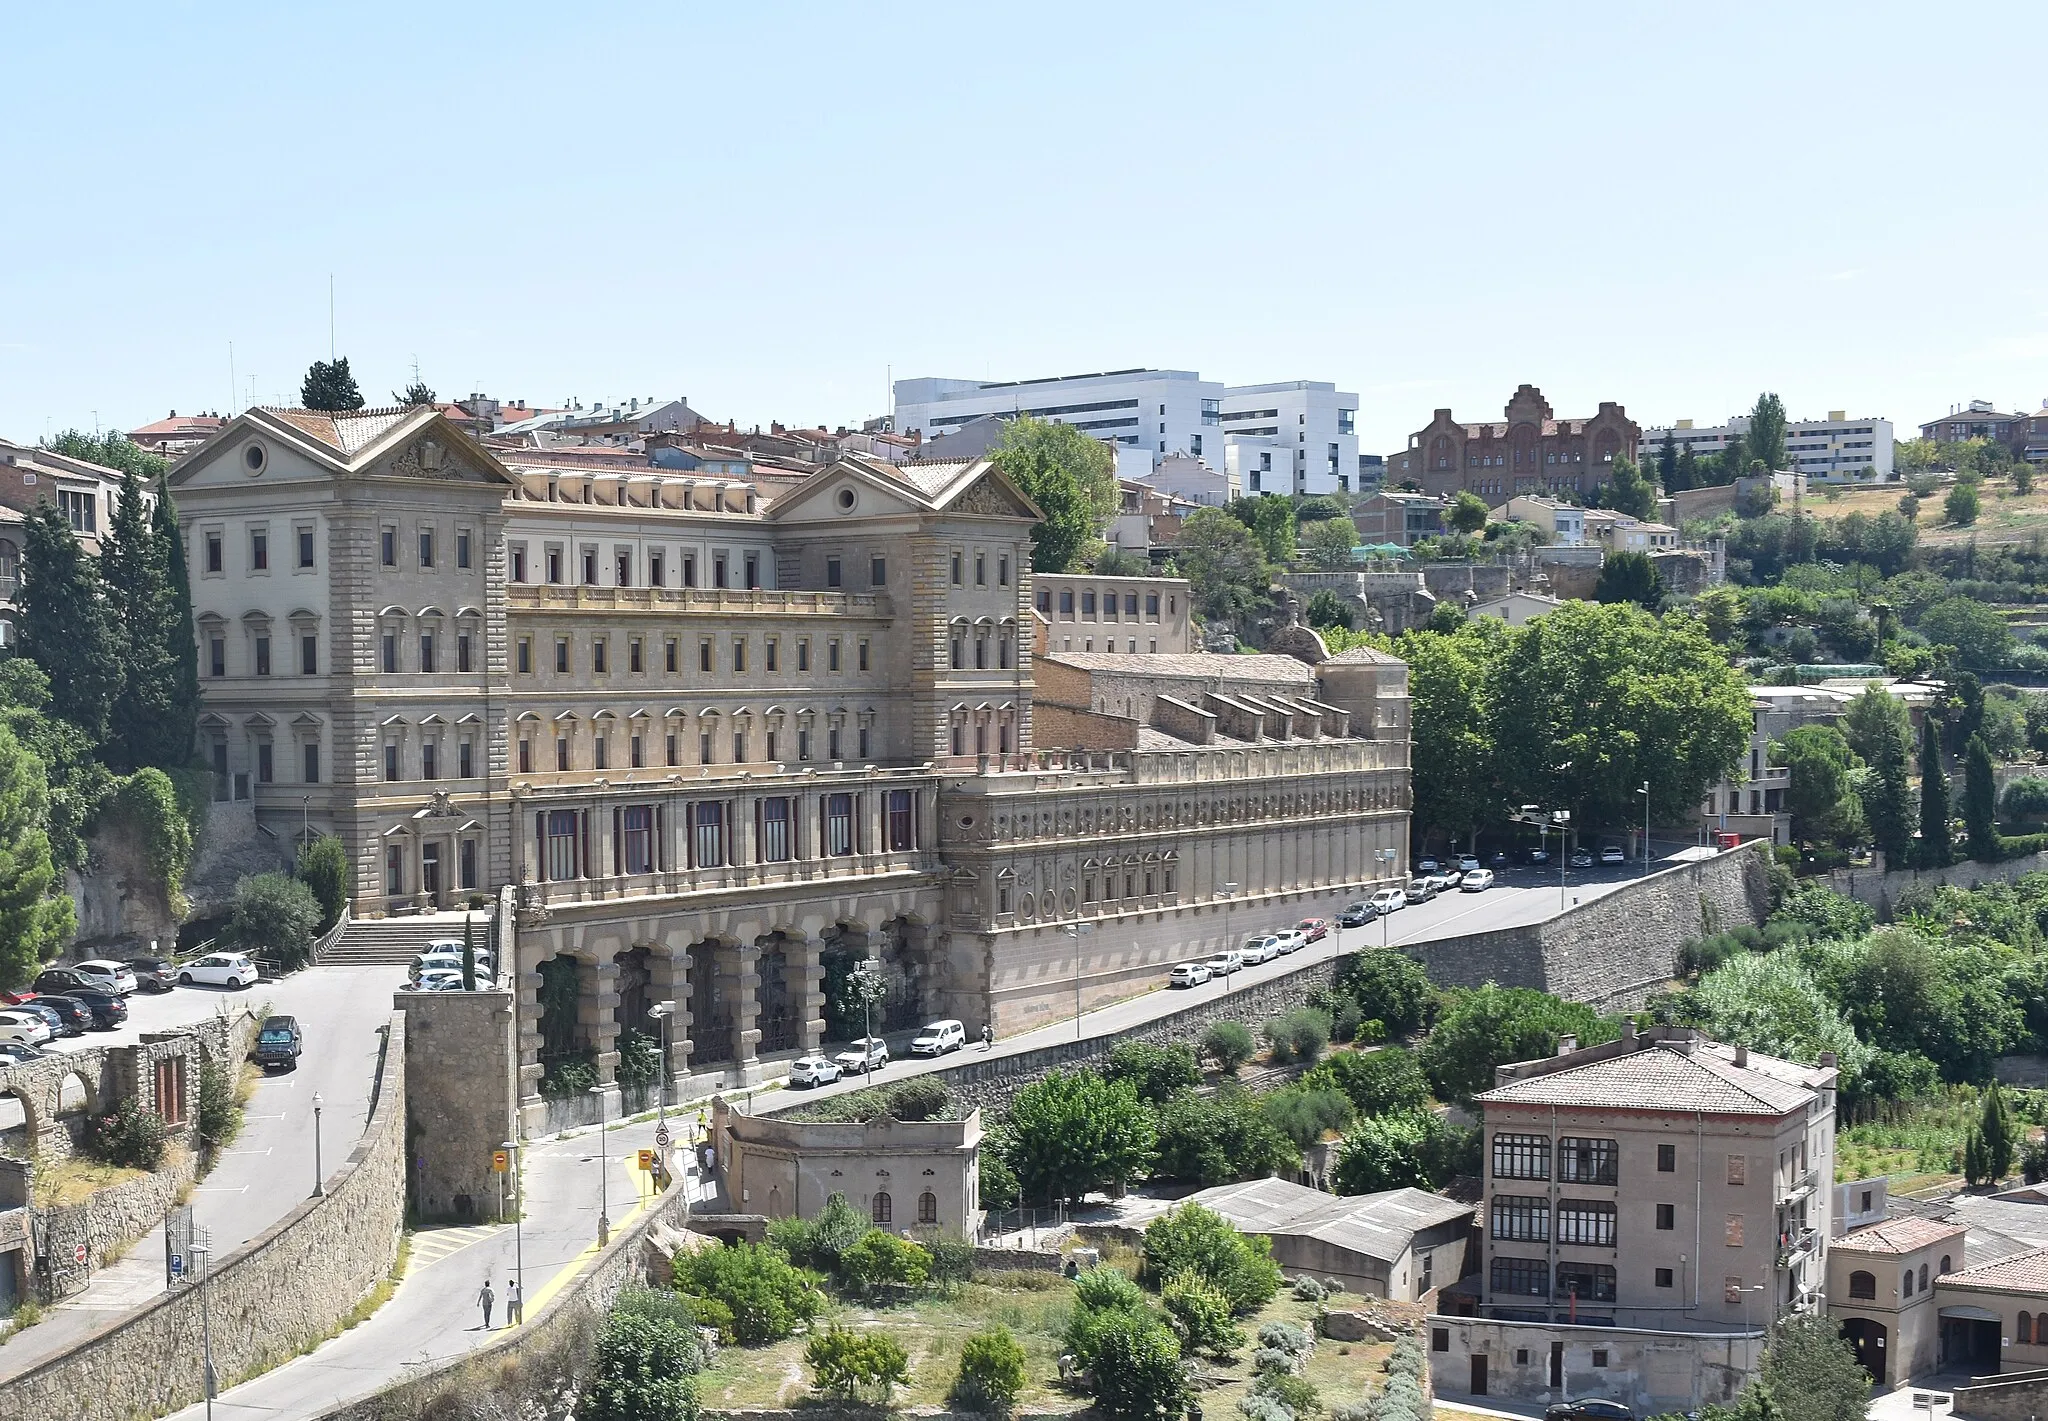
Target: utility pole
x,y
511,1148
604,1223
1645,793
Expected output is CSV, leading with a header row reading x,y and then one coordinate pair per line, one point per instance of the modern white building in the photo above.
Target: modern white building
x,y
1291,436
1836,449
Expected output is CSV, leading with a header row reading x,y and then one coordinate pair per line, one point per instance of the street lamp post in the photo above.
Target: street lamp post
x,y
319,1173
1229,901
1645,793
202,1252
1077,931
511,1149
661,1012
1564,819
604,1160
1386,858
868,974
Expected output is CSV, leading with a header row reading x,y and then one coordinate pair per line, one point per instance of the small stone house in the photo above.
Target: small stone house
x,y
1880,1291
902,1174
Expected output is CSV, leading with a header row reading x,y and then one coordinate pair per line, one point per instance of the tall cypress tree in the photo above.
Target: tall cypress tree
x,y
1935,848
1980,801
65,626
181,638
1888,798
131,569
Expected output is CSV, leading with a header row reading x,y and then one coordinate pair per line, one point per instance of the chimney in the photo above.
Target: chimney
x,y
1742,1055
1567,1043
1628,1030
1828,1060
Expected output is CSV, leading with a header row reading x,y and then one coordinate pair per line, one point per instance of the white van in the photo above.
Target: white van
x,y
938,1038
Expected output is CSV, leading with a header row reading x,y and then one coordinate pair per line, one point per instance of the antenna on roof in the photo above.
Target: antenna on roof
x,y
231,379
330,317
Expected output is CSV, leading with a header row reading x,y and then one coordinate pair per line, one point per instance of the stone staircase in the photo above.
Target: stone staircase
x,y
385,941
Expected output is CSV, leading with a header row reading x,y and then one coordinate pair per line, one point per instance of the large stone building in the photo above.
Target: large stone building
x,y
1650,1205
727,739
1530,451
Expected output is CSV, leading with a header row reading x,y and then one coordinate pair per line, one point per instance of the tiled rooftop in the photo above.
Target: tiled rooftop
x,y
1900,1235
1660,1078
1189,665
2022,1273
345,431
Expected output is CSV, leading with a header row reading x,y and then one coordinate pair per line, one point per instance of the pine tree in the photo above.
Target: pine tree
x,y
330,387
417,393
1667,464
138,603
1980,801
1936,850
1995,1136
1888,797
181,638
65,626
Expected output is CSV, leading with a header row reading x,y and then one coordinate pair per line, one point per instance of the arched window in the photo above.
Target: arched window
x,y
1906,1285
1862,1284
884,1208
1945,1268
1923,1277
927,1207
2026,1328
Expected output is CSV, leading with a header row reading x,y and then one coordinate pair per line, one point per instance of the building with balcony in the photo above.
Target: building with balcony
x,y
1650,1205
726,737
1752,802
1880,1289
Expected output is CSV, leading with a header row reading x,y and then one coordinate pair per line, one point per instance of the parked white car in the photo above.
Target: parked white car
x,y
219,969
938,1038
1389,900
450,961
1259,947
108,976
1291,941
25,1028
813,1070
863,1052
1188,974
1477,881
436,979
1223,964
1611,853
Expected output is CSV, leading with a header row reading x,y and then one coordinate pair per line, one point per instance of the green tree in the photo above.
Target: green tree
x,y
1887,794
1193,1240
1467,513
143,809
2025,799
415,394
1668,471
1629,492
1494,1025
132,574
991,1374
181,711
1271,518
857,1366
1630,577
78,783
1327,609
1223,563
880,1259
1936,850
1769,1002
1376,1082
66,628
1408,1149
767,1294
1137,1370
1980,802
1217,1139
1820,761
323,867
1445,618
36,916
1389,986
1767,431
330,387
1072,479
1977,632
1996,1129
1810,1374
1156,1072
1327,543
1229,1044
111,450
1074,1132
1306,1113
1200,1315
1456,779
273,917
641,1372
1962,505
1872,719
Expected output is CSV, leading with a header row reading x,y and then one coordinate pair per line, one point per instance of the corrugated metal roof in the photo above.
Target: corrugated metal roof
x,y
1380,1226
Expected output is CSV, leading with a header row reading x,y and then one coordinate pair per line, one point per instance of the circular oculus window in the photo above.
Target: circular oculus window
x,y
255,458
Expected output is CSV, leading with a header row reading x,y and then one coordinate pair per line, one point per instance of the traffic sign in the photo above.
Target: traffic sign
x,y
78,1254
647,1160
177,1265
500,1161
661,1136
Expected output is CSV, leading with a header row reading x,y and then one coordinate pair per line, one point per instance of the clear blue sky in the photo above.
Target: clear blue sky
x,y
767,207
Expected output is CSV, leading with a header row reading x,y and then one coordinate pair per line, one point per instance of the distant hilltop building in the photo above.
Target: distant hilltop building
x,y
1529,451
1835,449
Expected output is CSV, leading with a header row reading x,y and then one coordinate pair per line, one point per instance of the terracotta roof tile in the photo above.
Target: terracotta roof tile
x,y
2022,1273
1658,1078
1902,1235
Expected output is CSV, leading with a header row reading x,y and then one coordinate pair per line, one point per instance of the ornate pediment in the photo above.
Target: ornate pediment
x,y
992,497
434,457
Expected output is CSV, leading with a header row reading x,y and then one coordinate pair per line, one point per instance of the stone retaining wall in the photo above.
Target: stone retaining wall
x,y
268,1301
1882,890
2014,1396
110,1222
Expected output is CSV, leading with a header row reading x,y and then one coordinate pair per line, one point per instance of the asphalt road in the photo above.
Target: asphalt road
x,y
270,1167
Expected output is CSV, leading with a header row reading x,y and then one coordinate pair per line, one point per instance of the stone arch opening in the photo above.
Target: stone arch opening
x,y
18,1124
775,1000
843,947
905,973
713,1035
635,988
565,1052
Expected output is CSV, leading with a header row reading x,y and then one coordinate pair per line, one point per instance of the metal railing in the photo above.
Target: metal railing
x,y
1019,1228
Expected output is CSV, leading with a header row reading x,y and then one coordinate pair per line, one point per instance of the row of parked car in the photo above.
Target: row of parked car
x,y
439,968
1256,948
93,996
871,1053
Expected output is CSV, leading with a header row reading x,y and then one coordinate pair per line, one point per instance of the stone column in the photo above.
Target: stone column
x,y
746,1008
807,958
668,970
871,820
596,1006
746,851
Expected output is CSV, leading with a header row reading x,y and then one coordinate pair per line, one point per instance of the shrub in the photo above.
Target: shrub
x,y
1200,1314
818,1243
1299,1035
998,1182
220,1118
639,1060
949,1260
1138,1372
323,868
1308,1290
1229,1044
1375,1081
1295,1393
711,1313
768,1294
991,1373
1108,1290
1258,1406
1389,986
857,1366
273,916
1346,1016
1157,1072
1215,1139
1288,1341
880,1260
919,1098
1305,1113
1198,1240
566,1077
642,1372
131,1136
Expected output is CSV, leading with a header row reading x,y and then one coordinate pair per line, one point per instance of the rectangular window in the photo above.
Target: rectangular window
x,y
1087,604
770,756
863,654
956,570
878,572
622,569
525,655
555,565
468,863
265,771
263,656
839,824
564,862
430,761
390,762
214,559
387,546
704,654
427,652
1667,1158
832,743
217,656
1588,1282
657,575
709,841
635,752
863,742
462,547
803,654
600,751
637,838
669,748
394,869
832,654
1738,1169
671,650
739,748
1667,1216
562,655
519,563
1588,1222
981,569
739,653
803,745
902,821
1151,606
259,552
775,831
462,658
1521,1156
426,547
704,756
390,653
561,753
1520,1278
832,572
689,570
598,648
311,756
718,570
635,660
465,760
772,661
590,567
1440,1339
1003,570
1663,1277
305,547
526,757
753,563
1585,1161
1521,1218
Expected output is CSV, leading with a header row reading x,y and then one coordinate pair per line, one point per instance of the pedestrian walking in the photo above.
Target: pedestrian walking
x,y
988,1037
515,1306
484,1300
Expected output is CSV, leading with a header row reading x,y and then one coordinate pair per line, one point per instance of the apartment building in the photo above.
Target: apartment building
x,y
1311,424
1650,1205
1837,449
1133,615
1402,519
1531,450
1978,419
1563,523
725,736
1752,801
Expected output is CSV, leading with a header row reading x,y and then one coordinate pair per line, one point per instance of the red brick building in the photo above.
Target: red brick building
x,y
1531,451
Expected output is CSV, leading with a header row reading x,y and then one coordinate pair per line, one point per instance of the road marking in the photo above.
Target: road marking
x,y
218,1189
430,1246
569,1270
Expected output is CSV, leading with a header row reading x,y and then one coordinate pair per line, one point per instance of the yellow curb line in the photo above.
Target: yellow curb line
x,y
575,1265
